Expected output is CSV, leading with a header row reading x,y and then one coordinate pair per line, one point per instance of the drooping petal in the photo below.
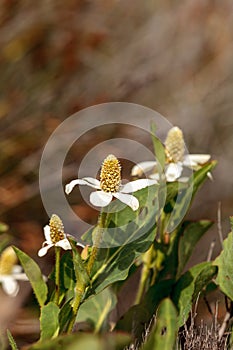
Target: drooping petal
x,y
89,181
64,243
191,160
10,286
100,198
92,182
128,199
44,250
137,185
142,167
47,234
173,171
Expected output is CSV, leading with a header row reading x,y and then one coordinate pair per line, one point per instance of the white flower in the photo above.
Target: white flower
x,y
110,186
54,236
10,273
175,159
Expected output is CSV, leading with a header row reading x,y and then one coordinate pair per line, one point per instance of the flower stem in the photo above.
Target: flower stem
x,y
96,236
57,274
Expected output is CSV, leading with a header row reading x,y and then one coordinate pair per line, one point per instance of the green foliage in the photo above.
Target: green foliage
x,y
140,315
11,340
34,275
163,334
224,262
190,234
158,148
96,309
181,195
81,274
49,323
155,241
89,341
131,233
186,289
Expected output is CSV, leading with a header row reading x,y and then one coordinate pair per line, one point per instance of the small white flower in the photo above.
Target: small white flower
x,y
10,273
54,236
175,159
110,186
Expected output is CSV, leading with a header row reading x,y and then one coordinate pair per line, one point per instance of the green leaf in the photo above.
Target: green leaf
x,y
164,333
128,235
182,243
189,285
225,267
11,340
95,310
34,275
140,315
65,314
182,198
49,324
158,148
84,341
191,234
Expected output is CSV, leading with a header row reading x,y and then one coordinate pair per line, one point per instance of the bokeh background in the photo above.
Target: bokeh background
x,y
59,57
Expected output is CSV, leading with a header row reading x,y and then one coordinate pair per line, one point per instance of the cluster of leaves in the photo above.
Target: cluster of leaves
x,y
133,241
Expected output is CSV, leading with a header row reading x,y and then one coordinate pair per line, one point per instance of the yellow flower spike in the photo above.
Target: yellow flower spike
x,y
56,229
8,260
174,145
110,175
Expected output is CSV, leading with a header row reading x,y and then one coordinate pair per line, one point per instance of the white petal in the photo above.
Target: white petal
x,y
20,276
92,182
136,185
173,171
154,176
16,269
195,159
64,243
47,234
89,181
142,167
128,199
100,198
10,286
44,250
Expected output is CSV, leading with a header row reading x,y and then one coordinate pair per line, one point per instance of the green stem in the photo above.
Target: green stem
x,y
79,291
148,256
96,236
57,274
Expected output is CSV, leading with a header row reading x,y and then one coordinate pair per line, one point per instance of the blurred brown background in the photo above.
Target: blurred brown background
x,y
59,57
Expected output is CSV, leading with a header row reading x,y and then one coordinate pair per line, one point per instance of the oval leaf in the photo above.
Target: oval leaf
x,y
49,324
34,275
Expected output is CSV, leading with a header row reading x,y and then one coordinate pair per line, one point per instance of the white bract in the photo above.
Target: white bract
x,y
173,171
110,186
10,272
